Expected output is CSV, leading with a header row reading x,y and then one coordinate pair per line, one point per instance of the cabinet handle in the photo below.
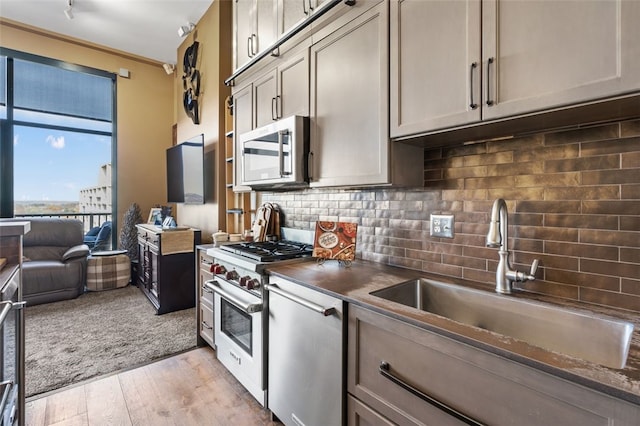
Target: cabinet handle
x,y
274,109
310,165
300,301
207,326
254,45
489,101
385,370
310,7
278,107
249,54
304,7
472,104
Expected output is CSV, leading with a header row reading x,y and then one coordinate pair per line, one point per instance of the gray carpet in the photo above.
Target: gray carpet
x,y
98,333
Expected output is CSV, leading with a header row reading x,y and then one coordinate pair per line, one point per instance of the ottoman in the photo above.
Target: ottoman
x,y
107,270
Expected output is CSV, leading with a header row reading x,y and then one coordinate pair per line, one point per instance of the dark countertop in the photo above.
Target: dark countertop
x,y
354,284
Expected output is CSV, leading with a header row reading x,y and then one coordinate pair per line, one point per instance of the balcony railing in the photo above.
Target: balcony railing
x,y
89,220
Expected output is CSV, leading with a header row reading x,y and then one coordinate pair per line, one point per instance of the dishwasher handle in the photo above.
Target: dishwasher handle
x,y
7,306
250,308
300,301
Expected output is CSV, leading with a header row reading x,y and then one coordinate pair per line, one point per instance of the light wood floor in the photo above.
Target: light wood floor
x,y
191,388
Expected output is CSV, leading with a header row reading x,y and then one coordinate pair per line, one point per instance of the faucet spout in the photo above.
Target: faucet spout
x,y
497,237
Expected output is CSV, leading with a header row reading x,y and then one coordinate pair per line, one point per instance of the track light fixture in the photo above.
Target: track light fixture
x,y
186,29
169,68
68,12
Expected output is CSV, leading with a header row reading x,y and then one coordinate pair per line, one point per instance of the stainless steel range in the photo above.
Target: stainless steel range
x,y
241,306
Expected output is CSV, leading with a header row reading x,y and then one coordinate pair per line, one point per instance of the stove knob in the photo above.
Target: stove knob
x,y
219,269
253,284
244,281
232,275
212,267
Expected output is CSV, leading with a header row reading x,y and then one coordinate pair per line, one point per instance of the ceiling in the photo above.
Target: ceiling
x,y
147,28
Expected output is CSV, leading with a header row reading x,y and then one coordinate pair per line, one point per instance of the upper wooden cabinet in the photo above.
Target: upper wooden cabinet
x,y
259,23
349,108
292,12
435,64
284,90
456,63
254,28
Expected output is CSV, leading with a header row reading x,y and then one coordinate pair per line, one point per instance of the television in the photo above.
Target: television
x,y
185,172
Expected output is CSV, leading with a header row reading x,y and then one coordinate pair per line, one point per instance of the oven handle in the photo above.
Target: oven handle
x,y
8,305
297,299
250,308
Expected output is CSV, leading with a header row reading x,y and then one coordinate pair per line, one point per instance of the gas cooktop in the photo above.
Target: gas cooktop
x,y
270,251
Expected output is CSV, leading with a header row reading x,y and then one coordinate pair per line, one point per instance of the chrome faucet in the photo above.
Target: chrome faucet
x,y
498,237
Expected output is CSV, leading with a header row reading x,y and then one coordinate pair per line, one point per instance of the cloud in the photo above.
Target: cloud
x,y
57,143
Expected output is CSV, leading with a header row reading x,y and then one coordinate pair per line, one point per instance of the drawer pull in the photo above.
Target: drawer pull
x,y
207,326
300,301
385,370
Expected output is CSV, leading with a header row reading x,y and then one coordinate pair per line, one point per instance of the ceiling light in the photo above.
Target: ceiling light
x,y
69,10
169,68
186,29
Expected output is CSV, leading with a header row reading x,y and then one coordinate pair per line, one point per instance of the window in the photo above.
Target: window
x,y
57,138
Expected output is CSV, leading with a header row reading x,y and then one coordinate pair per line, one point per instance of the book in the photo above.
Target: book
x,y
335,240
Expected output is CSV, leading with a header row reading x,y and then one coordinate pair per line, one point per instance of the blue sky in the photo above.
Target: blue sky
x,y
52,165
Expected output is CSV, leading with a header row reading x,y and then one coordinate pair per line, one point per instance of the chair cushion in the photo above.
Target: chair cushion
x,y
54,232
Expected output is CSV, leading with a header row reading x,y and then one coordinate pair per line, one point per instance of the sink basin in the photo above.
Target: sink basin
x,y
593,338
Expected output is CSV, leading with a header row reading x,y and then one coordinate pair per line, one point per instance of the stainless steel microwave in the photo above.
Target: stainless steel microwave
x,y
275,155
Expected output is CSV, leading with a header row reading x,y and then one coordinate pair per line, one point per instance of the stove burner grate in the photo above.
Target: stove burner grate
x,y
269,251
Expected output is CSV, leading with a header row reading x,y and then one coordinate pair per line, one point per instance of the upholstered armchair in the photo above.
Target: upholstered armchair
x,y
55,260
97,238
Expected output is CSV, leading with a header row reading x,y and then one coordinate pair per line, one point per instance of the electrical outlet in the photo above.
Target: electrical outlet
x,y
441,225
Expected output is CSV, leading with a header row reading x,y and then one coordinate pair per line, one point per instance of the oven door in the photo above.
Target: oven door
x,y
275,155
239,335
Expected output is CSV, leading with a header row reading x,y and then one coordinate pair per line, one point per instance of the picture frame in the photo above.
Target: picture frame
x,y
155,215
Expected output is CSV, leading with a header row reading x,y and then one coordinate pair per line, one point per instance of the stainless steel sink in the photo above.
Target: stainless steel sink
x,y
593,338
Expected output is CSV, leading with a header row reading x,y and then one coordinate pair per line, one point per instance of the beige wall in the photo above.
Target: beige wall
x,y
144,105
213,32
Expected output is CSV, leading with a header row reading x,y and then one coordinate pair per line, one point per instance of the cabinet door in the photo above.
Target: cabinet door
x,y
349,103
291,13
548,54
244,23
435,64
293,86
468,380
242,122
264,99
266,28
142,264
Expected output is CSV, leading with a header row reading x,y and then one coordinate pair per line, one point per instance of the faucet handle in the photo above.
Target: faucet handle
x,y
534,269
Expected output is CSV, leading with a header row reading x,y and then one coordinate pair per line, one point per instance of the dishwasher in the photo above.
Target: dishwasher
x,y
306,355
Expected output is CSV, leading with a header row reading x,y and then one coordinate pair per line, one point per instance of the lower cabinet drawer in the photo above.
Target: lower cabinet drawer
x,y
361,415
395,367
206,295
206,324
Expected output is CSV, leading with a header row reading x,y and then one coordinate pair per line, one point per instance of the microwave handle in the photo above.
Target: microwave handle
x,y
310,165
281,135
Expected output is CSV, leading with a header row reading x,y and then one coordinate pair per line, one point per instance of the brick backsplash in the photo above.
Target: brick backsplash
x,y
573,198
